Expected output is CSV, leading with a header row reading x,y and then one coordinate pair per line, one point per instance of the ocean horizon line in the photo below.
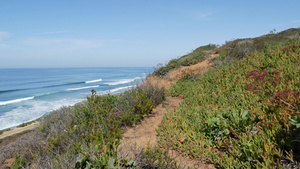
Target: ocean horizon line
x,y
76,67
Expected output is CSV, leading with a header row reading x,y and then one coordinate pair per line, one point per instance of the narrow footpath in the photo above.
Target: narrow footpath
x,y
138,136
18,130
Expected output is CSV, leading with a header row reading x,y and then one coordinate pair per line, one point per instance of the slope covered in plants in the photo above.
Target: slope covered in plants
x,y
244,114
86,135
192,58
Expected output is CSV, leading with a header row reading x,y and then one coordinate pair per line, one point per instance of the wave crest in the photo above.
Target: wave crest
x,y
93,81
81,88
15,100
123,81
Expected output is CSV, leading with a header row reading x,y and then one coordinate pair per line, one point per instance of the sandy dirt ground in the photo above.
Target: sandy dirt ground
x,y
174,75
11,136
136,137
145,132
19,130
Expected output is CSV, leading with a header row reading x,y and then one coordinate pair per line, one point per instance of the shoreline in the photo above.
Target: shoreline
x,y
159,82
114,91
19,130
16,130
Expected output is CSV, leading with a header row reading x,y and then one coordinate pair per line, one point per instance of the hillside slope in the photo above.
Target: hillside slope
x,y
244,114
177,73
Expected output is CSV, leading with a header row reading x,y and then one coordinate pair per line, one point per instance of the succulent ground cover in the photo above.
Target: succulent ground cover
x,y
245,114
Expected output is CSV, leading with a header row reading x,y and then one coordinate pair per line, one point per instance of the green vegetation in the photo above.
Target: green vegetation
x,y
2,131
156,158
239,48
107,158
26,124
245,114
19,162
93,130
194,57
86,135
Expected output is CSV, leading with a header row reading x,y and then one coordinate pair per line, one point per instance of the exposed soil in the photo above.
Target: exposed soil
x,y
135,138
11,136
8,163
145,132
174,75
19,130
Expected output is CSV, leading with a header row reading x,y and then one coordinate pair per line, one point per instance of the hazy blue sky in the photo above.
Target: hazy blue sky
x,y
104,33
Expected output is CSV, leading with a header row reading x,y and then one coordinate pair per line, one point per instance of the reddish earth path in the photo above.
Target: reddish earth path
x,y
143,133
139,135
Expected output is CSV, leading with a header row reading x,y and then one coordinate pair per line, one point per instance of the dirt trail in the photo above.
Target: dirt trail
x,y
138,136
176,74
18,130
135,138
144,132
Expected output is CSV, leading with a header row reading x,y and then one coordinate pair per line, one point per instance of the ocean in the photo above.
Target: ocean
x,y
29,94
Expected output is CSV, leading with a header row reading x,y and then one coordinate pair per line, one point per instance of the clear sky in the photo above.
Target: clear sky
x,y
111,33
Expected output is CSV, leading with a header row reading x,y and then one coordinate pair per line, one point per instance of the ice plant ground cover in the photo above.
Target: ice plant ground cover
x,y
244,114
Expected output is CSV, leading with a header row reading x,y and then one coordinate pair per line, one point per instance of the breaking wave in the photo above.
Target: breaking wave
x,y
2,103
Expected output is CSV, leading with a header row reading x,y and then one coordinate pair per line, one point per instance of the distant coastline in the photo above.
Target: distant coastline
x,y
40,91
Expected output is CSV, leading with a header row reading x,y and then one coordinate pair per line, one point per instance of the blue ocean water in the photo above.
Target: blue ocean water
x,y
28,94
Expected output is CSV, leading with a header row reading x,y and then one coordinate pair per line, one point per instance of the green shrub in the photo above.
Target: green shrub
x,y
26,124
132,105
72,133
105,158
19,162
237,49
192,58
2,131
227,123
155,157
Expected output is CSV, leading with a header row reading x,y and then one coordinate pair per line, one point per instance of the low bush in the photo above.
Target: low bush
x,y
26,124
237,49
192,58
19,162
155,157
86,135
4,130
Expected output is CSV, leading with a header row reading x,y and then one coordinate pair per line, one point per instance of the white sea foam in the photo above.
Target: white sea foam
x,y
15,100
123,81
117,90
32,110
122,88
81,88
93,81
